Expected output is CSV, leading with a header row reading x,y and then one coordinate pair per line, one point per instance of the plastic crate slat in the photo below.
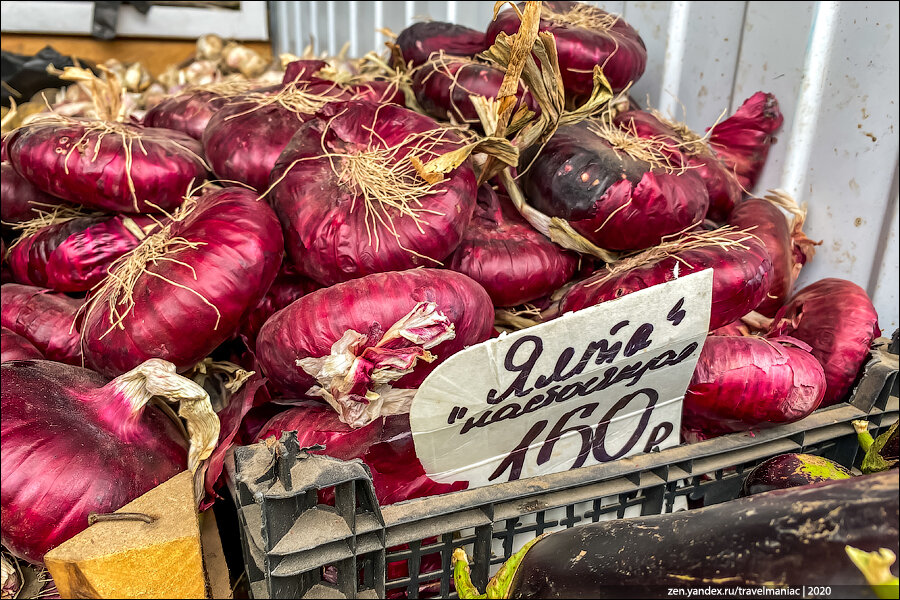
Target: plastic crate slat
x,y
435,526
312,528
838,430
312,559
741,455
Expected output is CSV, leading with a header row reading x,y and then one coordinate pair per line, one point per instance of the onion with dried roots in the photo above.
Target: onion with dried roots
x,y
190,110
742,141
106,165
352,200
514,263
742,270
372,339
74,443
786,242
585,36
72,254
22,201
188,287
837,319
44,318
721,185
418,42
618,190
743,383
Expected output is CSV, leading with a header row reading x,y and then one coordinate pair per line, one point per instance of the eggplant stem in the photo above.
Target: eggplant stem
x,y
117,516
862,433
462,576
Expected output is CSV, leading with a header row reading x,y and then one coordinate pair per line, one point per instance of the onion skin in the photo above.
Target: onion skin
x,y
325,219
21,200
771,226
73,256
239,256
514,263
188,113
15,347
740,279
743,383
420,40
791,470
44,318
287,287
70,447
742,141
837,319
721,185
443,86
619,49
161,177
309,326
615,201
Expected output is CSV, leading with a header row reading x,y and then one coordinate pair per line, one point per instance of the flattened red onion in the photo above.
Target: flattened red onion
x,y
420,40
44,318
15,347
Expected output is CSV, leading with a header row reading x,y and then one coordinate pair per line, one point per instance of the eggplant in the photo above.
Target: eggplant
x,y
791,537
881,453
791,470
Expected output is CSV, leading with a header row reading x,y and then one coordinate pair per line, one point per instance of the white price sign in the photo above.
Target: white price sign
x,y
588,387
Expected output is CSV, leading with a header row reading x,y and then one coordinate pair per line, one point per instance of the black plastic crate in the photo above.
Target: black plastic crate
x,y
405,549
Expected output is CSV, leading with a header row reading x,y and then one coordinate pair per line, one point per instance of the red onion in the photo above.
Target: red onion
x,y
73,255
351,201
21,200
743,383
377,327
44,318
596,176
444,84
419,41
742,141
837,318
585,36
287,287
110,166
190,111
787,244
741,264
15,347
501,251
721,184
186,288
298,71
73,444
244,139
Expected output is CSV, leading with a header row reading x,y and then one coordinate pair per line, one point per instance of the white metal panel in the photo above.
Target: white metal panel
x,y
651,20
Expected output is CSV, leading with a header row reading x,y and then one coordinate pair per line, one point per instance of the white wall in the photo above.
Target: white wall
x,y
832,65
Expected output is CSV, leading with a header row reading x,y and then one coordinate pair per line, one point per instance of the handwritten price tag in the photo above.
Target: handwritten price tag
x,y
589,387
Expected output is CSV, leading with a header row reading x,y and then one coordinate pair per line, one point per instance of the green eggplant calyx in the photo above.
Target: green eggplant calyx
x,y
862,433
462,576
499,585
876,568
874,462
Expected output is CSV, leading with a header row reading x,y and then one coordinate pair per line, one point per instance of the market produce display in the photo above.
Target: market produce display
x,y
337,228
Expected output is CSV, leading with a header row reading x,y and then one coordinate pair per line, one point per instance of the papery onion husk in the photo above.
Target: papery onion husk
x,y
74,255
596,176
352,202
514,263
786,243
74,443
109,166
585,36
721,184
742,141
15,347
188,287
190,111
21,200
837,319
387,331
44,318
742,271
744,383
418,42
443,86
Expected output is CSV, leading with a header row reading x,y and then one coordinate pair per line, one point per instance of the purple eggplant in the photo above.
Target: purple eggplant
x,y
791,470
792,537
